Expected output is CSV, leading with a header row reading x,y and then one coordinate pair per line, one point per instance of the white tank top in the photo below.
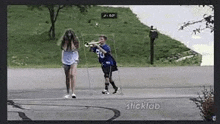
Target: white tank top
x,y
69,57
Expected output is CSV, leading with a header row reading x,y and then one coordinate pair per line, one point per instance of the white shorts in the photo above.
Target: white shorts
x,y
67,67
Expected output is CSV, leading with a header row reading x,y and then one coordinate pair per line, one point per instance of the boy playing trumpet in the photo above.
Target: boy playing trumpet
x,y
107,62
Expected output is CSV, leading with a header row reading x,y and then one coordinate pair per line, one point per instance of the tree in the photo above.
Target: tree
x,y
207,18
54,12
53,18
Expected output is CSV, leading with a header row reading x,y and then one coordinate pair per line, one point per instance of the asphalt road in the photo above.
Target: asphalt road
x,y
151,93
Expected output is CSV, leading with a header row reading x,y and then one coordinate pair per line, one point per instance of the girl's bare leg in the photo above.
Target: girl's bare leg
x,y
73,76
67,80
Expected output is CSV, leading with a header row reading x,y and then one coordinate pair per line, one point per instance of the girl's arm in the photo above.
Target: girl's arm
x,y
73,46
65,46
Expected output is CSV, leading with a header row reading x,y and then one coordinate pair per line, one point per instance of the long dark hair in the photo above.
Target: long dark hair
x,y
70,36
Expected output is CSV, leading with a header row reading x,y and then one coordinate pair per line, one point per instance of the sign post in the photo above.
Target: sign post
x,y
153,35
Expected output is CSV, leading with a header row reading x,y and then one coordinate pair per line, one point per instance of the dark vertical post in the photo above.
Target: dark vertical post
x,y
152,51
153,34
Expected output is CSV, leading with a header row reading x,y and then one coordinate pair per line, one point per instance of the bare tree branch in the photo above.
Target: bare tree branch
x,y
207,18
60,7
190,23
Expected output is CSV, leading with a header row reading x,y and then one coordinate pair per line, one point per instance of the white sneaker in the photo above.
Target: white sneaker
x,y
67,96
105,91
73,95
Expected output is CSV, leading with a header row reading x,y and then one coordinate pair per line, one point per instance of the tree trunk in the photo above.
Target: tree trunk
x,y
52,22
52,28
49,32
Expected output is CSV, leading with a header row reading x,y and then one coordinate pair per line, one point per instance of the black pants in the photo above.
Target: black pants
x,y
107,71
108,74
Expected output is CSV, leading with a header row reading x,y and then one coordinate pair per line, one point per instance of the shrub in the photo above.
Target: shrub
x,y
205,103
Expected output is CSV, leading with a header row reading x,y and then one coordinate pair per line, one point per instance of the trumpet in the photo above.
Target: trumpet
x,y
90,44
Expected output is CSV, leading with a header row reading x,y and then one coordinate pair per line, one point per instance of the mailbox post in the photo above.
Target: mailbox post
x,y
153,35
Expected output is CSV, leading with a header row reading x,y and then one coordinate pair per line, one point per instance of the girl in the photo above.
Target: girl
x,y
70,58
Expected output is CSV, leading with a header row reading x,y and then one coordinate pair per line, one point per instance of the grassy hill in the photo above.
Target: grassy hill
x,y
29,44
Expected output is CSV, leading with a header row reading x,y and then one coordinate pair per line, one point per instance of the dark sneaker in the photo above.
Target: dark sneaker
x,y
73,95
116,90
105,91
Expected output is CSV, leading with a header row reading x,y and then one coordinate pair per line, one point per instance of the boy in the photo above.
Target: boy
x,y
107,62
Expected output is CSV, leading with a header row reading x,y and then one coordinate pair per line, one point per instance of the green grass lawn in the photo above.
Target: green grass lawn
x,y
29,44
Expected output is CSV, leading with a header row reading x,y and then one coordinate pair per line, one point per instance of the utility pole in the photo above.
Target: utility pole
x,y
153,35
